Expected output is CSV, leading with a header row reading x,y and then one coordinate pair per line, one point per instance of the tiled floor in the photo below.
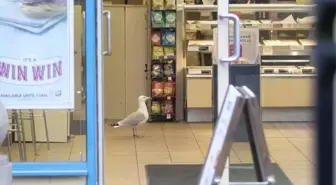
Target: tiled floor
x,y
290,145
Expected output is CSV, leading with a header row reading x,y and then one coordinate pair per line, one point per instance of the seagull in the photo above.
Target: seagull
x,y
136,118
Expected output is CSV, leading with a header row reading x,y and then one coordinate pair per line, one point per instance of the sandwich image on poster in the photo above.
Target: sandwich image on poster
x,y
43,8
36,54
34,16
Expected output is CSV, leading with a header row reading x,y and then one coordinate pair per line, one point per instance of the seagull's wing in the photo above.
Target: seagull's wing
x,y
133,119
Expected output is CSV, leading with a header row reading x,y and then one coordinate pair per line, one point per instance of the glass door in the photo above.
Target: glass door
x,y
48,102
103,49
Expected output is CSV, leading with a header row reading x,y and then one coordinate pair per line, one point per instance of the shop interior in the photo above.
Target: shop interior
x,y
165,49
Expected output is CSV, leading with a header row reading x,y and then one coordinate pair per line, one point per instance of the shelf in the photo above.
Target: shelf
x,y
250,8
288,70
163,61
201,49
164,78
205,46
163,27
288,75
163,98
295,50
164,58
163,8
166,45
283,26
288,61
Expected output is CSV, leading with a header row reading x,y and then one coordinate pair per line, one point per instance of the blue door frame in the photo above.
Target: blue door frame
x,y
86,168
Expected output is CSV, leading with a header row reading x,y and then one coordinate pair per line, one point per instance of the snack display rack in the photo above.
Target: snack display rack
x,y
162,55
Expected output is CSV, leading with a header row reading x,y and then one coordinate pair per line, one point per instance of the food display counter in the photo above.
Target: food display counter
x,y
282,98
288,97
282,51
295,91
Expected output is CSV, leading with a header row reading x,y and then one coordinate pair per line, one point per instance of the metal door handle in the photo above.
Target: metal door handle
x,y
83,17
236,37
108,16
146,68
146,20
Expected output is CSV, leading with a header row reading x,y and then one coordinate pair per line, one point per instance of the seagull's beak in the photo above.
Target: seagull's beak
x,y
148,98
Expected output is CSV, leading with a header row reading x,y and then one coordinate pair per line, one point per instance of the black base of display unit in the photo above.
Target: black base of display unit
x,y
162,118
240,75
248,75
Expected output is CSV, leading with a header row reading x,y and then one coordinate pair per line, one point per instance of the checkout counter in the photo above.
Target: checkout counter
x,y
199,94
283,97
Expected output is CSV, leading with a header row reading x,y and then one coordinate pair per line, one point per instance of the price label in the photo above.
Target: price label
x,y
192,26
168,97
168,116
170,78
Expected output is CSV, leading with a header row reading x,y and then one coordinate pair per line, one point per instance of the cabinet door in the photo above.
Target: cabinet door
x,y
199,92
136,55
114,65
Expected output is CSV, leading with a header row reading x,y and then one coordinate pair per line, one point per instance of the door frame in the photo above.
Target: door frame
x,y
325,91
86,168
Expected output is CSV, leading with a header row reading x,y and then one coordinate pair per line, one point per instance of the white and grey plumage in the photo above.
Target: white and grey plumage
x,y
140,116
3,122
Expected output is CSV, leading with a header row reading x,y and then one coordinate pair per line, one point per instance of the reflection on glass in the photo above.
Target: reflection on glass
x,y
45,136
52,135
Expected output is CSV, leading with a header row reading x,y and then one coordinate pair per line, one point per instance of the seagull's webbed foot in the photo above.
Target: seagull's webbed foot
x,y
135,133
113,124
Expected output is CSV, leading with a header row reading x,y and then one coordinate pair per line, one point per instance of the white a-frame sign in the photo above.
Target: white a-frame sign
x,y
238,101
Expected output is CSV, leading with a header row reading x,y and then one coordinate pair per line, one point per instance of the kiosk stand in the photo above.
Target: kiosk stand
x,y
238,101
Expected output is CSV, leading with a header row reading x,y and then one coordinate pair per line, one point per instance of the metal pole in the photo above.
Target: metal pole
x,y
91,89
224,60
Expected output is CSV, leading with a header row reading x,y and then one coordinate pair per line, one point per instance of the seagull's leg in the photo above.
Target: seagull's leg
x,y
134,132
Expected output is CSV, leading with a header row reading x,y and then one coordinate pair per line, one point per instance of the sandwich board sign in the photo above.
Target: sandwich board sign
x,y
238,101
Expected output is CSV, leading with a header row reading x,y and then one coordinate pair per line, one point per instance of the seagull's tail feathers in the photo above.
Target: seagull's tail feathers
x,y
115,125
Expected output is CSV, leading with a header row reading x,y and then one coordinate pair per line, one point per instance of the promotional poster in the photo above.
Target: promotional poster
x,y
37,54
249,46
